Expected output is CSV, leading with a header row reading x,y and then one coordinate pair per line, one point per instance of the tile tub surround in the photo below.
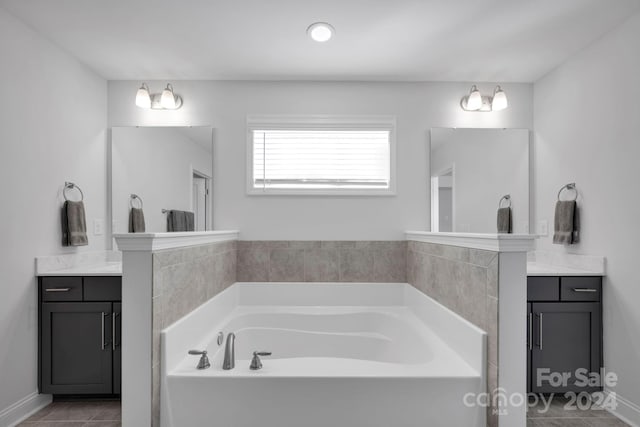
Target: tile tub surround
x,y
465,281
322,261
183,279
165,275
481,277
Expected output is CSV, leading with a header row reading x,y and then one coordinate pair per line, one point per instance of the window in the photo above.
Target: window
x,y
321,155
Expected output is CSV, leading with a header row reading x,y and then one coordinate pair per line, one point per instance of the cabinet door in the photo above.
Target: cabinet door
x,y
116,346
567,337
529,344
76,348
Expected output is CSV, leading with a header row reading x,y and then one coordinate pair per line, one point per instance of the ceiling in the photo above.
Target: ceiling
x,y
390,40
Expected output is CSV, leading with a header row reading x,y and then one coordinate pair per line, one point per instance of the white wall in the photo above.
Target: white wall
x,y
587,130
157,164
488,164
52,128
225,105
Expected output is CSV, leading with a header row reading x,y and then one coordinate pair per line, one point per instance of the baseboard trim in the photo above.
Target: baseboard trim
x,y
23,409
626,410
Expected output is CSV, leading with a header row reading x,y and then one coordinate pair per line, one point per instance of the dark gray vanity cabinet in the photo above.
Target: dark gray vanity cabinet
x,y
79,335
564,335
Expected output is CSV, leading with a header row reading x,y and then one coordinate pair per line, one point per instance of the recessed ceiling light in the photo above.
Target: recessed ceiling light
x,y
320,31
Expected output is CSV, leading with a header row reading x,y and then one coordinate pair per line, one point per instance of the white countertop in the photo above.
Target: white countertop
x,y
539,269
104,269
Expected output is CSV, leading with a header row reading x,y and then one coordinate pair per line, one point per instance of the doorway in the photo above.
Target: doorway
x,y
201,201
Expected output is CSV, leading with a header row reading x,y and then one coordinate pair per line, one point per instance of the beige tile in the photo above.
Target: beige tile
x,y
157,322
481,257
356,265
492,277
155,396
445,282
470,293
305,244
286,265
253,265
453,252
412,261
103,424
321,265
77,411
229,262
492,329
108,412
46,411
389,263
338,244
215,273
59,423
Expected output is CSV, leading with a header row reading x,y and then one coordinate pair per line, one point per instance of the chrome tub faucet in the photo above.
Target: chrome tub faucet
x,y
229,352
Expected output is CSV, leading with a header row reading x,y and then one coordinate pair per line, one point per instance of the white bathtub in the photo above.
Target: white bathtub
x,y
343,355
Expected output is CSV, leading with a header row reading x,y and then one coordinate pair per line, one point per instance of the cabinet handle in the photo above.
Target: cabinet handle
x,y
113,331
540,332
57,289
584,290
103,314
530,331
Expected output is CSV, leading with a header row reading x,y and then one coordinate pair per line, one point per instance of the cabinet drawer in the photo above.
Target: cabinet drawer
x,y
102,288
543,288
61,288
581,289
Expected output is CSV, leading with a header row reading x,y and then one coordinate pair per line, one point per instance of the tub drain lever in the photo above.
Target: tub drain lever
x,y
256,363
204,360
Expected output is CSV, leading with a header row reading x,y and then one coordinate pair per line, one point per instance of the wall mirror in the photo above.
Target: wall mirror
x,y
471,171
168,169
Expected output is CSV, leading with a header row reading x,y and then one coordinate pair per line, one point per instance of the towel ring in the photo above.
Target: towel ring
x,y
71,186
570,186
133,198
506,197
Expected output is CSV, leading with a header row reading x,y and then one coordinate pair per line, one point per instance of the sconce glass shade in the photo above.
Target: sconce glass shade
x,y
143,98
499,100
168,99
474,101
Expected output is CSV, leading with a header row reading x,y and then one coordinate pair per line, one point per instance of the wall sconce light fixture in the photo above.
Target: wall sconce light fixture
x,y
475,101
166,100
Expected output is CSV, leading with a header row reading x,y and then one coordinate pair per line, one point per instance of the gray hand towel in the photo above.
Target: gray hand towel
x,y
74,225
190,221
566,223
504,220
136,221
180,221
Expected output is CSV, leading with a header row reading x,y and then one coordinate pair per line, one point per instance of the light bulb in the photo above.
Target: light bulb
x,y
143,99
474,101
499,101
168,99
320,31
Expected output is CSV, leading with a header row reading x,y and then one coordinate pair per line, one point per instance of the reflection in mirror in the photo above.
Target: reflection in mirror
x,y
170,169
471,170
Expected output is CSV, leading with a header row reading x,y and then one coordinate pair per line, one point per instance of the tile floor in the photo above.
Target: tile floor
x,y
77,414
559,415
107,414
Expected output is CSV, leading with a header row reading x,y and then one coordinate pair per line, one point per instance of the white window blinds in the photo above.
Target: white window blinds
x,y
321,159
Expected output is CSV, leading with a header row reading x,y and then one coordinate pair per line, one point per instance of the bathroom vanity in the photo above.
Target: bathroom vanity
x,y
79,330
564,329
